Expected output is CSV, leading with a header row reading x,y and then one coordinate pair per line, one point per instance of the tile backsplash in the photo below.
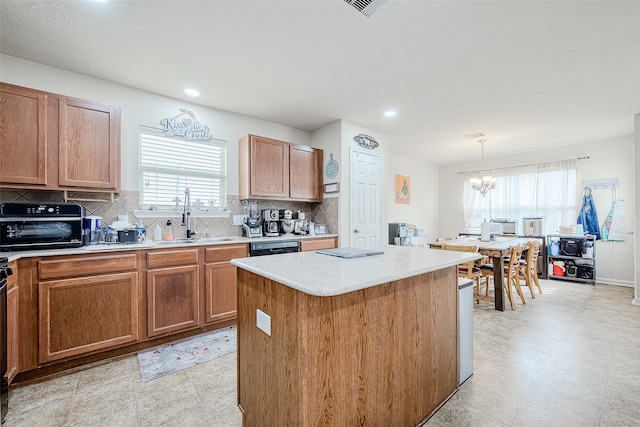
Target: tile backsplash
x,y
126,202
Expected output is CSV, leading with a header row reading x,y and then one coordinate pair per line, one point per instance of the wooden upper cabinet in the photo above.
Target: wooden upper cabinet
x,y
54,142
23,142
89,145
276,170
305,173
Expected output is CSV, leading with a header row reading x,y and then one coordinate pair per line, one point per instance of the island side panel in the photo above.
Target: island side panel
x,y
268,366
385,355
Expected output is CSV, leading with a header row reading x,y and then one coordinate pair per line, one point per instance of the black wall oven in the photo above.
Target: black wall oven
x,y
25,226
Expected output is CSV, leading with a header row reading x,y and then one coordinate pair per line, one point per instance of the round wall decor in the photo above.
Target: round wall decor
x,y
331,169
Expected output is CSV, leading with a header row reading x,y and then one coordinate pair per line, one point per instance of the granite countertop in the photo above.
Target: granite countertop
x,y
179,243
324,275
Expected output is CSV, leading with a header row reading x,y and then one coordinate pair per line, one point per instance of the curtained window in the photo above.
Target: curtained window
x,y
544,190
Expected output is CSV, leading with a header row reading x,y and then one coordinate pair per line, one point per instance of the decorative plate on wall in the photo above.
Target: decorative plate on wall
x,y
366,141
331,169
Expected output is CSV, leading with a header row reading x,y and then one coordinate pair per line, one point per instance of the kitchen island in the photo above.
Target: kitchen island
x,y
363,341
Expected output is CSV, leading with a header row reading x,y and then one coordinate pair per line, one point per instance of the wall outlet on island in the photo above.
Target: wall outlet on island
x,y
238,219
263,320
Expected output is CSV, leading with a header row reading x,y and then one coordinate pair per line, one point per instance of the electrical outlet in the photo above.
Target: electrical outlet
x,y
263,321
238,219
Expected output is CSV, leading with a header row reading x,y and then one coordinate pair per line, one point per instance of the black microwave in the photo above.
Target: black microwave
x,y
25,226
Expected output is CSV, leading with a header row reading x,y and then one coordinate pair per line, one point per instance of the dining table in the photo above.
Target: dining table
x,y
497,250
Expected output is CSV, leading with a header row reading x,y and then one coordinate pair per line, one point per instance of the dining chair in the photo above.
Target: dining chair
x,y
528,269
510,274
470,269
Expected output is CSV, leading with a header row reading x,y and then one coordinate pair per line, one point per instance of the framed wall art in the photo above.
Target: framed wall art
x,y
403,189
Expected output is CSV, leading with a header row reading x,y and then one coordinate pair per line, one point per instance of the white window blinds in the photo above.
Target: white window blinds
x,y
546,190
170,165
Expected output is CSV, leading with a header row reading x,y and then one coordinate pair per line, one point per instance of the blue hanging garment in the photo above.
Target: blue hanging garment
x,y
588,216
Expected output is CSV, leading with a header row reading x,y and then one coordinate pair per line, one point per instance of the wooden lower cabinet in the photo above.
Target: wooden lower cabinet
x,y
318,244
221,282
85,314
172,299
12,324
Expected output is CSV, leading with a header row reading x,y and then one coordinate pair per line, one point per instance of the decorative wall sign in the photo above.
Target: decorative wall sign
x,y
366,141
331,169
187,127
332,187
403,189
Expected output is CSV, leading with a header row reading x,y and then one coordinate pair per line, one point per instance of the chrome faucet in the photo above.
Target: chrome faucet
x,y
186,213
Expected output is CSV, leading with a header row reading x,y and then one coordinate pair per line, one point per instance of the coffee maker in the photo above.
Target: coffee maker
x,y
251,225
271,222
301,225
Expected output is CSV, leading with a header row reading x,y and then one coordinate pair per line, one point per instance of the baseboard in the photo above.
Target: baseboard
x,y
635,301
608,281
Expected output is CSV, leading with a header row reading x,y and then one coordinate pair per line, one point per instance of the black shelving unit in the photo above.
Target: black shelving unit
x,y
578,268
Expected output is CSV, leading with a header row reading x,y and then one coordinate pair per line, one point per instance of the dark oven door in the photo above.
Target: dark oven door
x,y
41,233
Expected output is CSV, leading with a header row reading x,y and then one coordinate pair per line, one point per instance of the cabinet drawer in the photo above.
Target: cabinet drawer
x,y
315,245
161,259
85,266
225,253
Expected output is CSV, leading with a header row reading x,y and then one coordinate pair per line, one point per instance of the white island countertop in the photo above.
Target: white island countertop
x,y
324,275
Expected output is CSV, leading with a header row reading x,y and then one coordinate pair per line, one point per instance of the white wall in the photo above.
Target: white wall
x,y
636,181
609,158
144,108
423,209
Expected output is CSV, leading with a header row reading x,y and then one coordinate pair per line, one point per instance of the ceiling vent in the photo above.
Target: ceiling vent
x,y
366,7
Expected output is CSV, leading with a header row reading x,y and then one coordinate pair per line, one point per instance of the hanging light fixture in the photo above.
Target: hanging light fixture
x,y
484,182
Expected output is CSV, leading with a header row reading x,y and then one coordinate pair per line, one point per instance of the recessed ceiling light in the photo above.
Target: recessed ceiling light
x,y
191,92
390,113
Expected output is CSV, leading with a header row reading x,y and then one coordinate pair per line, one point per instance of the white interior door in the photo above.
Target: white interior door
x,y
366,200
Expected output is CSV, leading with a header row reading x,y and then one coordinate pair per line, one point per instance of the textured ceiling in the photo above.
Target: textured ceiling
x,y
530,74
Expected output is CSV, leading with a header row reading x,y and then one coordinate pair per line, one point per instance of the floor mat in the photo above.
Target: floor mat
x,y
169,358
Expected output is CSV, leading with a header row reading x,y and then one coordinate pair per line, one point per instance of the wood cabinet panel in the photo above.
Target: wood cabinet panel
x,y
23,141
89,145
161,259
221,292
305,173
12,333
269,172
317,244
85,266
86,314
172,299
226,253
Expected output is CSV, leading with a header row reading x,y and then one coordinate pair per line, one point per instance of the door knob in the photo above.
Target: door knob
x,y
356,231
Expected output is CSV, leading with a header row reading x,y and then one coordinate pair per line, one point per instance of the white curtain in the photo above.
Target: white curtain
x,y
543,190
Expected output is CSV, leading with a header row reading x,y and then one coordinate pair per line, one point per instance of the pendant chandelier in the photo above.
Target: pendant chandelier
x,y
485,181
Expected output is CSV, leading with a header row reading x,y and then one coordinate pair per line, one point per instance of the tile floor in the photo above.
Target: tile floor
x,y
571,357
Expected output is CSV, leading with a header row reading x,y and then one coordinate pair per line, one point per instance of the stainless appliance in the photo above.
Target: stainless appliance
x,y
25,226
271,222
4,386
286,221
508,227
273,248
251,226
398,234
533,226
301,225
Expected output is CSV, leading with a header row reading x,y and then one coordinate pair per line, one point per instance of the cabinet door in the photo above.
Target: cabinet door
x,y
12,333
89,145
85,314
305,173
221,292
172,299
269,168
22,136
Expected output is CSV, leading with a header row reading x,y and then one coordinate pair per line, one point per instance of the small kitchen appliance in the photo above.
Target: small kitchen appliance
x,y
533,226
26,226
251,226
286,220
301,225
508,227
271,222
